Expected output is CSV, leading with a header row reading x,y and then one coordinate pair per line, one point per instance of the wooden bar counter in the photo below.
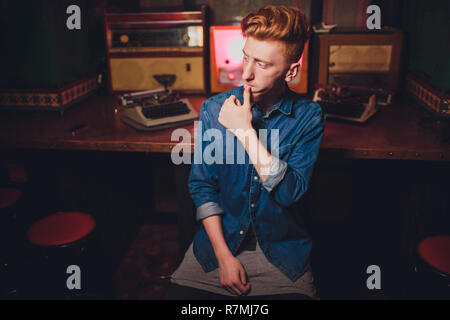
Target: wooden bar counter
x,y
393,133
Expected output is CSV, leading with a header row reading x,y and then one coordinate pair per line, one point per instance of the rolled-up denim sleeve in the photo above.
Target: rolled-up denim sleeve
x,y
208,209
277,171
301,162
203,181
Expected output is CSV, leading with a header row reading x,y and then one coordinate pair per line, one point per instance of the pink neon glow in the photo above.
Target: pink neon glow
x,y
228,46
231,76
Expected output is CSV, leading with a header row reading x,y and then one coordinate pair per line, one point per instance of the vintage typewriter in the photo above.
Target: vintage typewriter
x,y
351,103
156,109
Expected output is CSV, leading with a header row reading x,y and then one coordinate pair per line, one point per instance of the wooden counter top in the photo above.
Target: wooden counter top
x,y
393,133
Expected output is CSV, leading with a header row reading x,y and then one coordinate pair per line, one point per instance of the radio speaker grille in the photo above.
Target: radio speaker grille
x,y
137,73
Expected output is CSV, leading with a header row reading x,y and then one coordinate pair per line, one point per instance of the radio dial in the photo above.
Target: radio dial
x,y
124,38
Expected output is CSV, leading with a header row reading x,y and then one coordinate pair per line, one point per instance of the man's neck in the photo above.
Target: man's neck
x,y
268,101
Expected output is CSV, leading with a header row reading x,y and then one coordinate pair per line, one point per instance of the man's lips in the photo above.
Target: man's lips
x,y
248,85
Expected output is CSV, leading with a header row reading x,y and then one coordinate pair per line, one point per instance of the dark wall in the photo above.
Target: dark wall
x,y
427,29
39,51
37,48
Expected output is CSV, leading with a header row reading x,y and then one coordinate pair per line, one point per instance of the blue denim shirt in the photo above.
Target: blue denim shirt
x,y
234,190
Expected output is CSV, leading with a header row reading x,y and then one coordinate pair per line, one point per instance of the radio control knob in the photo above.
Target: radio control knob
x,y
124,38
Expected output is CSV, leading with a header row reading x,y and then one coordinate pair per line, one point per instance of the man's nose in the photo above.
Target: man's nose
x,y
247,72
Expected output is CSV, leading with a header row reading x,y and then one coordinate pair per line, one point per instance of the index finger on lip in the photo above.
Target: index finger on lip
x,y
247,91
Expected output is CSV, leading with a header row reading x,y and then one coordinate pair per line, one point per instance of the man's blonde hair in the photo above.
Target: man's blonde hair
x,y
279,23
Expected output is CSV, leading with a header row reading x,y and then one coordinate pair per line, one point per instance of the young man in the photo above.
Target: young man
x,y
250,243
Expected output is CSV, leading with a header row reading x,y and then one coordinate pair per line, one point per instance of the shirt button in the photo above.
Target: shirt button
x,y
241,232
261,188
255,177
252,205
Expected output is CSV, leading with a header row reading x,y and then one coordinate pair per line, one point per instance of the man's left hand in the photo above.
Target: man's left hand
x,y
234,115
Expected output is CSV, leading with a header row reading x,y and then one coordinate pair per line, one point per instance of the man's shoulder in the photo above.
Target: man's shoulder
x,y
303,106
214,103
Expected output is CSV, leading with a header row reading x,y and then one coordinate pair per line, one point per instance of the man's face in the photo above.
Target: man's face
x,y
264,66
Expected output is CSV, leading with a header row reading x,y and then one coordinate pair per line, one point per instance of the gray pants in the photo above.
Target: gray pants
x,y
264,278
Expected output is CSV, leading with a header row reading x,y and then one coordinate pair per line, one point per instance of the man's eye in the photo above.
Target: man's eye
x,y
261,64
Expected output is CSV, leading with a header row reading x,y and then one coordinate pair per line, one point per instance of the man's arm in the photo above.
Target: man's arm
x,y
232,274
203,178
238,119
258,154
301,162
288,181
204,191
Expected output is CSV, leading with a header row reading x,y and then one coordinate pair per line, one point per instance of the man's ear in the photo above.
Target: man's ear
x,y
292,72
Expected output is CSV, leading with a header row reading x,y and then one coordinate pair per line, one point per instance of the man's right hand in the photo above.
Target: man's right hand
x,y
231,272
232,276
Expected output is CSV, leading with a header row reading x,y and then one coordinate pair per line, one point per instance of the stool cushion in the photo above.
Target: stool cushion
x,y
61,228
436,252
9,196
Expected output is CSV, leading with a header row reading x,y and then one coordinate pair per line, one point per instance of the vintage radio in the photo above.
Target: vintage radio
x,y
141,46
226,43
348,57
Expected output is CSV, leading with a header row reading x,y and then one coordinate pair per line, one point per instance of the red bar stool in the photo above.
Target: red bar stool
x,y
58,241
10,202
434,266
61,229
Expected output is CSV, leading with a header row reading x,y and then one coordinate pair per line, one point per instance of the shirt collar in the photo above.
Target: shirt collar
x,y
284,105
